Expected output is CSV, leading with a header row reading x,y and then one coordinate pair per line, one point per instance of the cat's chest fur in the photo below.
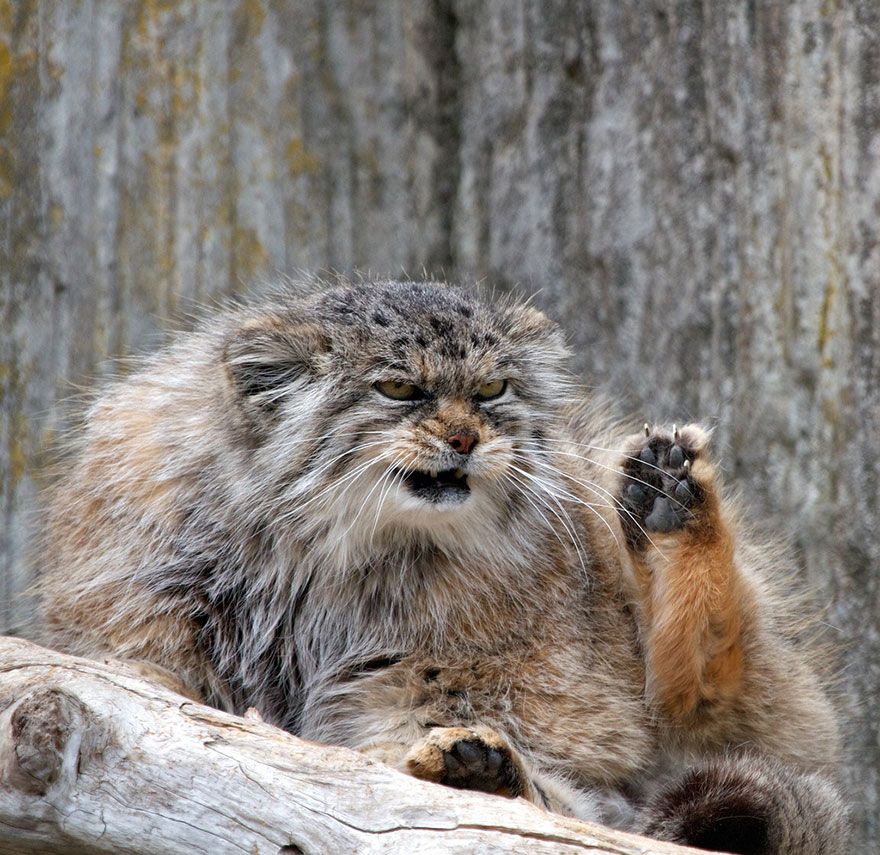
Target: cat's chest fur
x,y
531,654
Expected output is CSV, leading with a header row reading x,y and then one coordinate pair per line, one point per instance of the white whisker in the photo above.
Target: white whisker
x,y
599,490
617,451
364,503
391,474
593,508
528,493
575,540
616,470
552,494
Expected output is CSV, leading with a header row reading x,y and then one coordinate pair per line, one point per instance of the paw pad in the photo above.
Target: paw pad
x,y
467,759
473,765
659,492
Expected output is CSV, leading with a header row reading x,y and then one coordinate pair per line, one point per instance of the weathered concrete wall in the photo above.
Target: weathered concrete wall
x,y
693,188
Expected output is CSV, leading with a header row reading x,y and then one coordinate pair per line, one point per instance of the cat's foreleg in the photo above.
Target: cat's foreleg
x,y
694,603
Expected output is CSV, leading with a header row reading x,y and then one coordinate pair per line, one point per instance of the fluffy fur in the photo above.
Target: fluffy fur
x,y
564,615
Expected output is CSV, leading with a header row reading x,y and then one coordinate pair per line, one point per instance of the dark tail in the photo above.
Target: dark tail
x,y
752,806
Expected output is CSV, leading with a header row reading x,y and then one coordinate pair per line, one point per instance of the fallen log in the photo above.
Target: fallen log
x,y
95,759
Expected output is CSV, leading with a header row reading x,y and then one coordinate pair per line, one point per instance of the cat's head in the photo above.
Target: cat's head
x,y
415,405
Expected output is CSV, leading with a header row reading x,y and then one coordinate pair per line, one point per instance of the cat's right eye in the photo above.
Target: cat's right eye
x,y
399,391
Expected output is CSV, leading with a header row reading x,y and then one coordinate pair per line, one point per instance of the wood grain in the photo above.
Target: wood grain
x,y
96,760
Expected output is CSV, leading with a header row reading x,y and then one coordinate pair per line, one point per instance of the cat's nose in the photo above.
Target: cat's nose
x,y
463,442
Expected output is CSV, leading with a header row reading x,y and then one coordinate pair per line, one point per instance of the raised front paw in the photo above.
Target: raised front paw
x,y
666,482
468,758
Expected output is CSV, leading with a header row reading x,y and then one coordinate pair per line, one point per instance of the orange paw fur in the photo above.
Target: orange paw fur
x,y
693,600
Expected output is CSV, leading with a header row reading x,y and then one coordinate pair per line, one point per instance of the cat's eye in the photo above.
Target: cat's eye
x,y
493,389
399,391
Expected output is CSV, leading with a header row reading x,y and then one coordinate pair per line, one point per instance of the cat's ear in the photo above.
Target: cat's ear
x,y
267,358
529,326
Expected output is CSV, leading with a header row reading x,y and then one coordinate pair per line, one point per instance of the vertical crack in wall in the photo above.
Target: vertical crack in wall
x,y
442,53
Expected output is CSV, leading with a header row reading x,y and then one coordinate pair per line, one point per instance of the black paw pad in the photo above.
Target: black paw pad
x,y
663,516
676,457
659,494
473,765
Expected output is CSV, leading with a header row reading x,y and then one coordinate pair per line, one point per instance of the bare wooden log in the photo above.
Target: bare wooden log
x,y
94,759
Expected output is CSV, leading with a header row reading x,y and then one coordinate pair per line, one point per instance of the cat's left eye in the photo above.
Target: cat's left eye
x,y
399,391
493,389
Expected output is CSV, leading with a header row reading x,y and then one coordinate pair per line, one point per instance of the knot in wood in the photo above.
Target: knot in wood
x,y
43,725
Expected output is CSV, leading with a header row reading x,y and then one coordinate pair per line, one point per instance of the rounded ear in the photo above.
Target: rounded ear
x,y
267,357
530,326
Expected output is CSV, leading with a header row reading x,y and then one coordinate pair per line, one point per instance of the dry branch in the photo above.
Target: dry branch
x,y
94,759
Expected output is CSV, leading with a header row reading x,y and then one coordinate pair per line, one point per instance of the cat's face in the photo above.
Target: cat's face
x,y
404,403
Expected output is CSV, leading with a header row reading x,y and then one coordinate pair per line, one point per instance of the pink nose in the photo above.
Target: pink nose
x,y
463,441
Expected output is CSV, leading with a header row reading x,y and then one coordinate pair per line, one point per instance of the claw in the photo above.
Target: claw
x,y
647,429
687,465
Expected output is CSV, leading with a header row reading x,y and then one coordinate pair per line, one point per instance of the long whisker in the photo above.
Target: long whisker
x,y
364,467
596,488
575,540
617,471
591,506
617,451
561,491
568,495
392,473
527,494
328,463
331,489
366,499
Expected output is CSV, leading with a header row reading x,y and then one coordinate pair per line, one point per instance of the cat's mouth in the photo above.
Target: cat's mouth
x,y
445,486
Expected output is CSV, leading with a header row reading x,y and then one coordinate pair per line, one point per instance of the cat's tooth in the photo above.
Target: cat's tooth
x,y
459,473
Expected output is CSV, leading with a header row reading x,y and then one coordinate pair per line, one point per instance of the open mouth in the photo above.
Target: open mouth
x,y
450,485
